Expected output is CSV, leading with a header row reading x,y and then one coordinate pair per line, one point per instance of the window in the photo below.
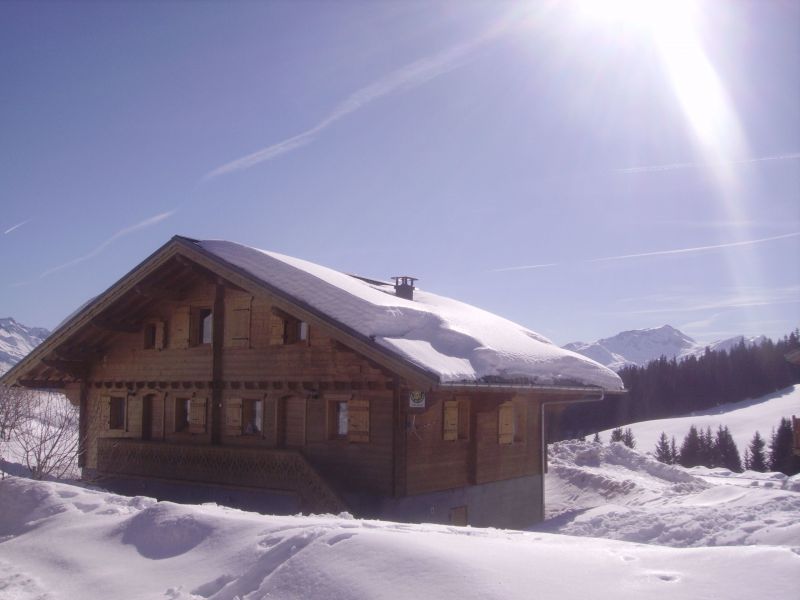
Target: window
x,y
348,418
252,417
206,321
183,408
116,412
154,335
455,420
340,416
201,327
294,331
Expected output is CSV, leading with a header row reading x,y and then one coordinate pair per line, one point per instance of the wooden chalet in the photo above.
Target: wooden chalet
x,y
201,378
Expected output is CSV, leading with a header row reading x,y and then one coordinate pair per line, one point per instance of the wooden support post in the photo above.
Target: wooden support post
x,y
217,341
83,424
399,442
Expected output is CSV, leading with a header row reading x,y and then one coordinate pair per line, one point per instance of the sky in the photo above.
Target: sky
x,y
581,168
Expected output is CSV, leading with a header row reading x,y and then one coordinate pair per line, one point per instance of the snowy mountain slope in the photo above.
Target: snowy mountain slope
x,y
640,346
742,418
17,340
62,541
611,491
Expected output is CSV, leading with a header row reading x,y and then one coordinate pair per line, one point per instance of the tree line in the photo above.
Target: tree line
x,y
717,449
669,387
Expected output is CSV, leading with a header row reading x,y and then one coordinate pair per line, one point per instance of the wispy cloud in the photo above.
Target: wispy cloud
x,y
694,165
119,234
17,226
411,75
655,253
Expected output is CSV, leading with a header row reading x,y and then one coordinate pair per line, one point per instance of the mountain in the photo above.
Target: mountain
x,y
640,346
17,340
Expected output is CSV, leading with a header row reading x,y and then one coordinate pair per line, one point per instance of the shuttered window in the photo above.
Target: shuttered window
x,y
133,420
238,325
197,415
450,421
358,420
179,327
154,333
233,416
112,412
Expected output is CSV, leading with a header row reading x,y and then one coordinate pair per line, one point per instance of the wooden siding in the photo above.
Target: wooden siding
x,y
437,459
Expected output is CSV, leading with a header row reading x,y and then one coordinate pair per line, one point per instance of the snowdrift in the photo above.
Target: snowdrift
x,y
62,541
614,492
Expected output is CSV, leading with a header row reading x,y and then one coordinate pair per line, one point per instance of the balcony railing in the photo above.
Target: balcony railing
x,y
285,470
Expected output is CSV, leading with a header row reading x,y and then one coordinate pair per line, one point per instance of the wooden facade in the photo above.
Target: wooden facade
x,y
189,371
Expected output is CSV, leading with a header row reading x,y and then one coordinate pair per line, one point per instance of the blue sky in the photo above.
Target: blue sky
x,y
452,141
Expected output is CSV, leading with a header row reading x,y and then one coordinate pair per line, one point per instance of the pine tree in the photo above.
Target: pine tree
x,y
628,439
690,449
597,438
781,455
663,451
616,435
726,450
757,460
673,450
748,463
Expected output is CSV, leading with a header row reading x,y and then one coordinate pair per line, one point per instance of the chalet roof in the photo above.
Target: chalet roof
x,y
457,342
432,338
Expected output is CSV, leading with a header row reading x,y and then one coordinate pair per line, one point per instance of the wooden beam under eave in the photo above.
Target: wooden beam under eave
x,y
75,369
153,292
116,326
42,384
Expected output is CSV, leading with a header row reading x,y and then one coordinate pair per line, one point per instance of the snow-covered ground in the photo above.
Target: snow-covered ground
x,y
742,418
611,491
65,541
619,524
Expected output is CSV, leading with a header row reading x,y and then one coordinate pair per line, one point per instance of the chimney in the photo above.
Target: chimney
x,y
404,286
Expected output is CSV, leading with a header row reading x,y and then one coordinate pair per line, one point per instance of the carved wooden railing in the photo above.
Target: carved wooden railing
x,y
285,470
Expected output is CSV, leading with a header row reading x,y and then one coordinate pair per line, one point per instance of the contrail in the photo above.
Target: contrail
x,y
17,226
407,77
121,233
690,165
656,253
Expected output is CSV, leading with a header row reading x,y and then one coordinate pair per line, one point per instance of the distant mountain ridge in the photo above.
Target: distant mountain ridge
x,y
640,346
16,341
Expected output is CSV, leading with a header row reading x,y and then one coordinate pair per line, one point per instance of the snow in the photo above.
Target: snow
x,y
618,520
64,541
455,341
742,418
611,491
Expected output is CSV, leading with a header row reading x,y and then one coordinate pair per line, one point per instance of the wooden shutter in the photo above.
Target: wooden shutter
x,y
105,412
157,417
160,335
233,416
238,326
505,424
133,414
197,415
450,421
358,420
271,419
179,333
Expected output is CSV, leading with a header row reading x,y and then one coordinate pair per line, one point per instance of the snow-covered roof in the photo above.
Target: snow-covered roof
x,y
455,341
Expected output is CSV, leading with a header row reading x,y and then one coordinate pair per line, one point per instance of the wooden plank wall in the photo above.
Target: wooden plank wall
x,y
434,463
253,353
